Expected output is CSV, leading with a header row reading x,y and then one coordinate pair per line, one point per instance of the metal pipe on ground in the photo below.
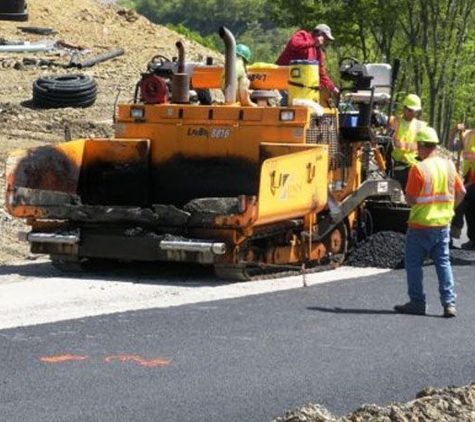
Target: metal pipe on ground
x,y
28,48
100,58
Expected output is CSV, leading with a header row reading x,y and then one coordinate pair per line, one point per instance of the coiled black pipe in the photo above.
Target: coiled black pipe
x,y
64,91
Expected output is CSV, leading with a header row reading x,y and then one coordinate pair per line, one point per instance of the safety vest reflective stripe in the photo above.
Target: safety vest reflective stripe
x,y
412,145
428,195
434,205
434,199
427,185
397,121
400,141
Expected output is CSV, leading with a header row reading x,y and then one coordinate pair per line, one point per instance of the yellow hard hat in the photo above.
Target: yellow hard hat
x,y
413,102
427,135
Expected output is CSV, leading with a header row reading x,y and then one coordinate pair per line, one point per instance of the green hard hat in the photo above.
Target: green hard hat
x,y
427,135
244,51
413,102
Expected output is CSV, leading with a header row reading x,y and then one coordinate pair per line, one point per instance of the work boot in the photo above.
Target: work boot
x,y
468,245
411,308
450,311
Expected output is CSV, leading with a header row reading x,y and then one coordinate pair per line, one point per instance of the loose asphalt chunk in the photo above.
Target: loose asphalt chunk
x,y
381,250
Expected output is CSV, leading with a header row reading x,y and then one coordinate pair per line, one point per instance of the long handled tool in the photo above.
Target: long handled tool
x,y
460,146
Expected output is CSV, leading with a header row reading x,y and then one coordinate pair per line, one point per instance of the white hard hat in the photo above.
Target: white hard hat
x,y
325,29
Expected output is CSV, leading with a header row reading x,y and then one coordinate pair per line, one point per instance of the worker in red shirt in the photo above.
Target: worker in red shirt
x,y
304,45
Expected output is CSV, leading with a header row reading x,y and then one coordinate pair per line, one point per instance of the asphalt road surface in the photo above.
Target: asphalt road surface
x,y
244,357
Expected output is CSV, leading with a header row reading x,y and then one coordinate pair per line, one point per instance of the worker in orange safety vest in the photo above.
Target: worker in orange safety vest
x,y
433,189
404,129
467,207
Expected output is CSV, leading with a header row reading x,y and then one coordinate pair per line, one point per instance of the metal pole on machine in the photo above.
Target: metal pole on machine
x,y
394,74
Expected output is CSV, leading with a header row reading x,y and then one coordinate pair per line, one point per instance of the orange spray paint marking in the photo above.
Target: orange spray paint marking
x,y
62,358
153,363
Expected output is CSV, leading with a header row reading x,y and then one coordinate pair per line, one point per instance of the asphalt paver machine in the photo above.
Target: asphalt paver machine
x,y
248,190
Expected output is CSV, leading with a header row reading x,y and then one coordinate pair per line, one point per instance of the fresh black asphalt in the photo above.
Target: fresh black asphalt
x,y
246,359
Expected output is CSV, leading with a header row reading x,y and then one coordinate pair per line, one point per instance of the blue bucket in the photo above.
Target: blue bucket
x,y
349,119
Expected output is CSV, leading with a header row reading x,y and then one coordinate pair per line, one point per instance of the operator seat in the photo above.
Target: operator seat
x,y
379,90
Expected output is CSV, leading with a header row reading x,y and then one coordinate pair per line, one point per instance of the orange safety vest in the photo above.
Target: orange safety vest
x,y
405,145
468,155
434,205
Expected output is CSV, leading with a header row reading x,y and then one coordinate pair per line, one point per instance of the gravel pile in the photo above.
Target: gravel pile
x,y
381,250
454,404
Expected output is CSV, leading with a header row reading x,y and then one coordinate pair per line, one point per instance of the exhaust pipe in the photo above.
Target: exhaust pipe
x,y
181,57
230,77
181,80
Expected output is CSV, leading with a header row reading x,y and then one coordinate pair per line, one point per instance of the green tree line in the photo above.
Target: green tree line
x,y
249,20
434,39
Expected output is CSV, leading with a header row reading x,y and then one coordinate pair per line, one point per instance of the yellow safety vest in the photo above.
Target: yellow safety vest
x,y
434,205
468,152
405,146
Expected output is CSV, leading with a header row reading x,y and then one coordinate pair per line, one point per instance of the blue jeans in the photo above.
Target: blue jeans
x,y
433,243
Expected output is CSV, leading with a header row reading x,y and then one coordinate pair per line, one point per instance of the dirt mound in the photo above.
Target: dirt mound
x,y
96,28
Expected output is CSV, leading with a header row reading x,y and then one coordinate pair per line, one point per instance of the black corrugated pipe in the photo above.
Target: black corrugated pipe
x,y
230,77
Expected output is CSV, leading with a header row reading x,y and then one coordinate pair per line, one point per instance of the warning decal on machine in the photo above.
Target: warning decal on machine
x,y
382,187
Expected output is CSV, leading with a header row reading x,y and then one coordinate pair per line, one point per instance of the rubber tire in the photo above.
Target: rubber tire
x,y
64,91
